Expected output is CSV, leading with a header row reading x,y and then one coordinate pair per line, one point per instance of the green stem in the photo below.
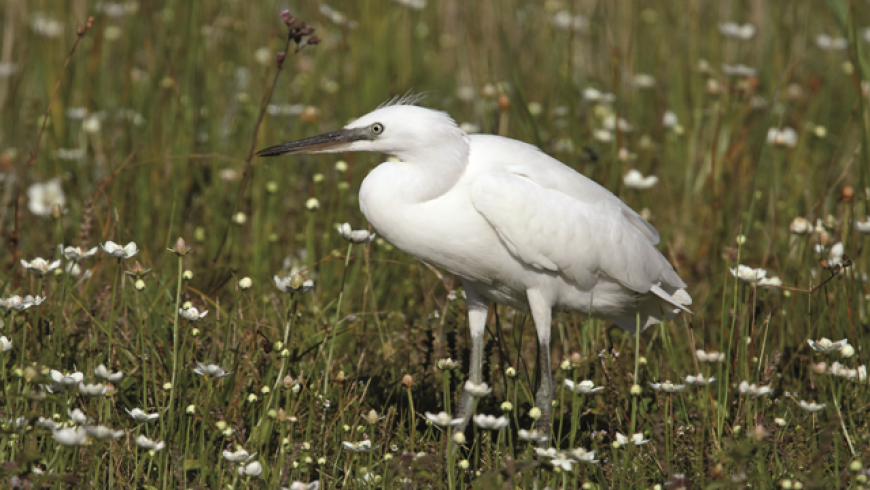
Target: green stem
x,y
335,321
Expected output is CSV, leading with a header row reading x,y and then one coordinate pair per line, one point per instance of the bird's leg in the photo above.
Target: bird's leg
x,y
541,314
477,310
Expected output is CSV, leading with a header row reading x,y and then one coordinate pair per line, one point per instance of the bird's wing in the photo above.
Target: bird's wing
x,y
550,230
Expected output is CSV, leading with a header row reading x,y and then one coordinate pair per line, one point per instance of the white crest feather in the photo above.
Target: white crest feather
x,y
409,98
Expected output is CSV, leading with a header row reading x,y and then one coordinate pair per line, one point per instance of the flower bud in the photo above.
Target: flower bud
x,y
459,438
510,372
464,464
407,380
139,285
855,466
245,283
535,413
167,386
194,332
191,409
507,407
636,390
221,425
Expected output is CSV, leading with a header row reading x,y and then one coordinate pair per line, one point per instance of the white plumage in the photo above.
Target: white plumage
x,y
519,227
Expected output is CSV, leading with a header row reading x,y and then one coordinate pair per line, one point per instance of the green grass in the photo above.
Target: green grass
x,y
177,88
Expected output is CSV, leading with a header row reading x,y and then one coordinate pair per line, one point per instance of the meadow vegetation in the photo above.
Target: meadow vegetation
x,y
265,349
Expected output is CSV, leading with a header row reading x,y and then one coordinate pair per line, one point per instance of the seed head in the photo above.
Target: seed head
x,y
408,380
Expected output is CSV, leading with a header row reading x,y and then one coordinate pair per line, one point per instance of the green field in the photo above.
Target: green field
x,y
140,126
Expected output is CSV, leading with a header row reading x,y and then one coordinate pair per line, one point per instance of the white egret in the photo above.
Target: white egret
x,y
519,227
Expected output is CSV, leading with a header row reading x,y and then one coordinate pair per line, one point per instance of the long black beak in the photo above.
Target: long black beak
x,y
334,141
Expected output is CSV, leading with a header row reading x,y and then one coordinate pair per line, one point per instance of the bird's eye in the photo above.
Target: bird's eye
x,y
377,128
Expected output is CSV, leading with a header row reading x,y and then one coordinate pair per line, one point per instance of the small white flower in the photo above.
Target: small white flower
x,y
533,435
811,406
737,31
636,439
5,344
292,284
489,422
829,43
89,389
254,469
667,387
66,379
643,80
801,226
238,456
754,391
115,250
842,371
564,20
40,266
825,344
633,179
863,226
862,373
565,464
78,417
151,445
298,485
192,314
355,236
669,120
835,256
103,373
602,135
583,455
782,137
359,447
245,283
139,415
210,370
739,71
477,390
585,387
43,197
103,432
770,282
711,356
748,274
443,419
18,303
698,380
550,452
76,253
71,436
47,423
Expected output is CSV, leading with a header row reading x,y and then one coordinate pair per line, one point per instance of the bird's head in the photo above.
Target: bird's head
x,y
412,133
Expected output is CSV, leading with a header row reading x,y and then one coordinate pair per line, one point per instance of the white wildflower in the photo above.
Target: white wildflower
x,y
140,416
238,456
355,236
801,226
149,444
294,284
739,71
825,344
40,266
116,250
18,303
748,274
443,419
89,389
667,387
71,436
734,30
254,469
633,179
43,197
489,422
192,314
752,390
636,439
103,432
359,447
103,373
698,380
533,435
585,387
78,417
5,344
477,390
829,43
782,137
76,253
811,406
210,370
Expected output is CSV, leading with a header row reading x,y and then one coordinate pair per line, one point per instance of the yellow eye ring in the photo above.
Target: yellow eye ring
x,y
377,128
